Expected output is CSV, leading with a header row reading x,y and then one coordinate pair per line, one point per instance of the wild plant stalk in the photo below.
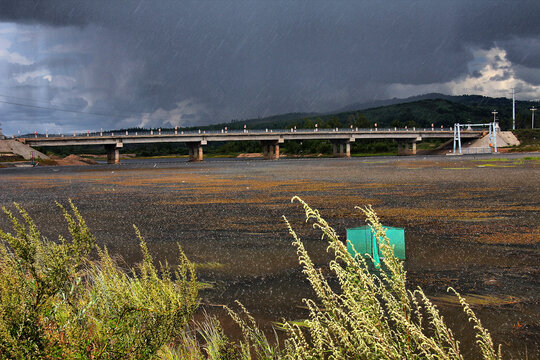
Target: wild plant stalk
x,y
255,344
373,315
202,340
57,304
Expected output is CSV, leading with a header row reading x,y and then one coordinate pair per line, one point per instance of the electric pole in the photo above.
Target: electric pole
x,y
533,109
513,109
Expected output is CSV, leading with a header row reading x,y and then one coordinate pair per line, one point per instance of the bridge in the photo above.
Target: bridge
x,y
270,139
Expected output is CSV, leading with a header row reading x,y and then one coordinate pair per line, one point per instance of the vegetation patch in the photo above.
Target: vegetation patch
x,y
10,158
46,162
209,266
477,300
495,166
492,159
58,303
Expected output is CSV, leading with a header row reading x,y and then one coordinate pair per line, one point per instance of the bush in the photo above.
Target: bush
x,y
528,136
55,303
373,315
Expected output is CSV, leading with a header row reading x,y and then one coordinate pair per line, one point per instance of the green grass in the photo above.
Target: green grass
x,y
11,158
392,153
161,157
209,266
492,159
495,166
46,161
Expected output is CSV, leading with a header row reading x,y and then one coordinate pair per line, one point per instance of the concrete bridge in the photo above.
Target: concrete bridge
x,y
270,139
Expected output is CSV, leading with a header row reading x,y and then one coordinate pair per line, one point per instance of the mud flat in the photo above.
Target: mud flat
x,y
472,223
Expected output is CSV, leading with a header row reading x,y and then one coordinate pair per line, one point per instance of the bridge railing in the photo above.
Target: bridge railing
x,y
169,132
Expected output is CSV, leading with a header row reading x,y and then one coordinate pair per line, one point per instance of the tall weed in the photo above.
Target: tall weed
x,y
55,303
372,315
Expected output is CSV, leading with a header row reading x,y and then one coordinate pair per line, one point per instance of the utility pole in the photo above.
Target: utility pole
x,y
494,112
533,109
513,109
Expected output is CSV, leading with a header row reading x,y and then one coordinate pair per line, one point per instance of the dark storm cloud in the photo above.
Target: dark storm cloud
x,y
250,58
59,13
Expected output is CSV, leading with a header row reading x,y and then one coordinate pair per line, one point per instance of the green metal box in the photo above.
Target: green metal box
x,y
364,242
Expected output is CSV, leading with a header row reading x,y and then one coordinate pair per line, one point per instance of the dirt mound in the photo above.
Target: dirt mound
x,y
504,138
74,160
250,155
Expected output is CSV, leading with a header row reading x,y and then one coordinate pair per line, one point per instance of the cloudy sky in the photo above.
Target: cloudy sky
x,y
154,63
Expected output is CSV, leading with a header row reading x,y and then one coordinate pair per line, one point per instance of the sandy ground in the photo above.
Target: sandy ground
x,y
471,223
72,160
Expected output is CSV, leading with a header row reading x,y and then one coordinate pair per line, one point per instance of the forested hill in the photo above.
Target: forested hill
x,y
419,111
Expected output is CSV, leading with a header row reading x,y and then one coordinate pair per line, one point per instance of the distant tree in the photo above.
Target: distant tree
x,y
308,124
397,123
361,121
412,123
333,122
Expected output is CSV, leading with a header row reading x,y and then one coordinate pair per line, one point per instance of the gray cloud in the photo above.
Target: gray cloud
x,y
238,59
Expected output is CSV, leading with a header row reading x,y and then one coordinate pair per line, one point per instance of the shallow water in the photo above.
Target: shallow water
x,y
470,226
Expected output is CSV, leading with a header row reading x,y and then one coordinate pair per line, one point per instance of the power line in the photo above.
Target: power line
x,y
28,99
63,110
60,104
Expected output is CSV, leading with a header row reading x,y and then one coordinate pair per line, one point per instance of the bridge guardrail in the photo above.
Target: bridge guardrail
x,y
223,131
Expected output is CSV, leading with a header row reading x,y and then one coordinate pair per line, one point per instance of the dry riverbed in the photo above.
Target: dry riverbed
x,y
472,223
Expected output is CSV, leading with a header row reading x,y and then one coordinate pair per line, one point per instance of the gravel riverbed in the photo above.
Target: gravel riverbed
x,y
472,223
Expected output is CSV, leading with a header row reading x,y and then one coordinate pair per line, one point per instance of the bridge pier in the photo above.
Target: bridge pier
x,y
195,150
341,148
270,149
113,153
406,148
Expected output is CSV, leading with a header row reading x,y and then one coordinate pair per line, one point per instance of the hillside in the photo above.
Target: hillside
x,y
444,111
419,111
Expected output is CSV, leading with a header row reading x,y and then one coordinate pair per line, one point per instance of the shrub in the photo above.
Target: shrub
x,y
215,346
56,303
373,315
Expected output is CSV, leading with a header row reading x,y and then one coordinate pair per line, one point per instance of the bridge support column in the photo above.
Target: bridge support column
x,y
195,151
406,148
270,149
113,153
341,148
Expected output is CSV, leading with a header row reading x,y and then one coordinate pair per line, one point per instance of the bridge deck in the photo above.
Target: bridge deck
x,y
251,135
270,139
